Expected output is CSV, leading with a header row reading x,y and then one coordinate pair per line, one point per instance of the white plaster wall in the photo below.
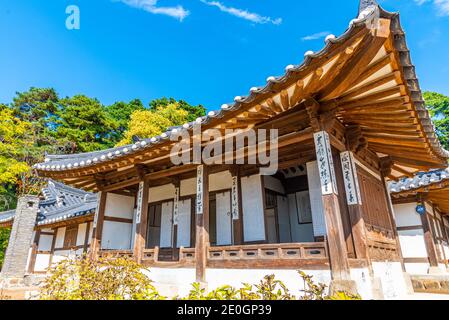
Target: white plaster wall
x,y
316,203
119,206
417,268
172,282
406,215
220,181
291,278
161,193
412,243
81,236
364,285
273,184
392,279
188,187
252,204
299,232
116,236
60,238
42,262
45,242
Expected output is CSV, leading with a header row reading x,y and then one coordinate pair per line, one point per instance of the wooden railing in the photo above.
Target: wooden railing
x,y
287,251
116,254
382,244
186,255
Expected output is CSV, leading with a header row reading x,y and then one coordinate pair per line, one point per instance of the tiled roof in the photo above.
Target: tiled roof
x,y
420,180
60,203
368,11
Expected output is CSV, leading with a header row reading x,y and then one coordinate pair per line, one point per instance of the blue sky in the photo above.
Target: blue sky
x,y
202,51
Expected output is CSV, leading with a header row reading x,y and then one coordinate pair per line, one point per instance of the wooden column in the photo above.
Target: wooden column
x,y
335,235
236,206
175,252
354,201
97,231
441,252
34,248
385,171
428,236
202,222
141,220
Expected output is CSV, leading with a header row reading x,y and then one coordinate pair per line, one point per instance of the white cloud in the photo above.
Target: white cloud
x,y
316,36
244,14
442,5
177,12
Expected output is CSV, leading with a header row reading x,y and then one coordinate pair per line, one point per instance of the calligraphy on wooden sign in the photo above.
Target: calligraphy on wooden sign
x,y
199,189
350,178
176,207
97,211
139,202
325,163
235,198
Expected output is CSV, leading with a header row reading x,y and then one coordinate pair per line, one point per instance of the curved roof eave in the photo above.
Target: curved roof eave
x,y
369,9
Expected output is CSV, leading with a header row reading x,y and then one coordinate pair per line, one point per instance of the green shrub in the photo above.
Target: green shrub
x,y
123,279
103,279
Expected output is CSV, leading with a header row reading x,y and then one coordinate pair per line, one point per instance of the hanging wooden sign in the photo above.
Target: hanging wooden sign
x,y
325,163
235,198
139,202
350,178
176,206
97,211
199,189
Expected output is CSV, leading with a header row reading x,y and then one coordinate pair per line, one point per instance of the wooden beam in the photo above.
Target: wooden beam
x,y
97,231
365,53
141,220
428,236
202,223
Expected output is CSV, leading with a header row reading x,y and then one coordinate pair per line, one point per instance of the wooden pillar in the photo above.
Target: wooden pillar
x,y
236,206
335,235
86,237
442,254
34,248
354,201
175,252
141,220
97,231
385,171
202,222
428,236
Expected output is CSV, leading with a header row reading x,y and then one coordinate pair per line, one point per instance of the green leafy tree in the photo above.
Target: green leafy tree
x,y
149,123
84,122
121,113
14,146
438,105
193,112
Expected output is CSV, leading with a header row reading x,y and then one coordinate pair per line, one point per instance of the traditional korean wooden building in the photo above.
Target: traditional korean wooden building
x,y
62,225
349,118
421,207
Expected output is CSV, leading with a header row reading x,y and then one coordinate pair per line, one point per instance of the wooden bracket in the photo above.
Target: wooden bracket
x,y
141,170
355,140
386,164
